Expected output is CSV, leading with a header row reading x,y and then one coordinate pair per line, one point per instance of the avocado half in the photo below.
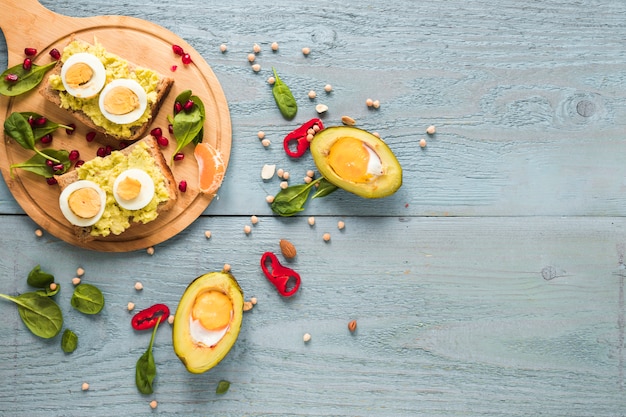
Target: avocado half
x,y
357,161
207,321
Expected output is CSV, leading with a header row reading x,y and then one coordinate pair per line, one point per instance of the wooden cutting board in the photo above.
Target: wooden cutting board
x,y
26,23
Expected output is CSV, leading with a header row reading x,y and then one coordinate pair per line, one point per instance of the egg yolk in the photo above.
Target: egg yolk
x,y
128,188
84,202
78,74
350,159
213,309
121,100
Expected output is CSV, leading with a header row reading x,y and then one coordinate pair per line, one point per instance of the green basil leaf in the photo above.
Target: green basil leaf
x,y
39,279
284,98
222,387
40,314
145,370
325,187
87,299
17,127
27,79
69,341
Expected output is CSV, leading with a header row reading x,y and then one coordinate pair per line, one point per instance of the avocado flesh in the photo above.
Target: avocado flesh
x,y
199,357
356,161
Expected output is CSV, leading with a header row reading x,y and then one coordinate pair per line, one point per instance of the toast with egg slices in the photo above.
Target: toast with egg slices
x,y
110,175
84,78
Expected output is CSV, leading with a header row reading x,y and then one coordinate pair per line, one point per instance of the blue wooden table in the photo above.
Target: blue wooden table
x,y
491,284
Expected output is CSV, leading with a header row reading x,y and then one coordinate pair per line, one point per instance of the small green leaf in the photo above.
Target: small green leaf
x,y
222,387
325,188
145,370
284,98
69,341
26,81
87,299
39,279
40,313
188,125
292,199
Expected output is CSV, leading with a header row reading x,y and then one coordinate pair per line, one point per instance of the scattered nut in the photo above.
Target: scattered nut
x,y
369,102
328,88
311,221
352,325
376,134
310,173
75,281
138,286
269,199
348,121
247,229
288,249
376,104
306,337
308,180
247,306
207,234
253,300
80,272
283,185
226,268
321,108
422,143
431,130
85,386
261,134
280,172
306,50
254,219
274,46
256,48
286,175
153,404
271,80
150,251
256,68
312,94
130,306
340,225
267,172
326,237
39,233
223,48
170,319
251,57
266,143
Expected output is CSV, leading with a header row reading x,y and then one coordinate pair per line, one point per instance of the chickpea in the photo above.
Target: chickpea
x,y
256,68
256,48
75,281
138,286
154,404
306,337
247,229
311,221
284,184
269,199
39,233
340,225
271,80
226,268
306,51
310,173
286,175
431,130
207,234
130,306
328,88
266,142
274,46
223,48
85,386
150,251
261,134
251,57
376,104
312,94
369,102
254,219
326,237
80,272
422,143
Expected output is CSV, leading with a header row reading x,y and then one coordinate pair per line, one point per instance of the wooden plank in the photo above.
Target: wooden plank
x,y
472,316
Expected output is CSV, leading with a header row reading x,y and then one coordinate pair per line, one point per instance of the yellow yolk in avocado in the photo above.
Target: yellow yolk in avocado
x,y
121,100
78,74
213,309
353,161
129,188
84,202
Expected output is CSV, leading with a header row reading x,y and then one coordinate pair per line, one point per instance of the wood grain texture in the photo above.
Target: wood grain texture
x,y
491,284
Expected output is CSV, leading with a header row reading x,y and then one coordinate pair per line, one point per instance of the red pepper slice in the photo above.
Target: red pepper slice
x,y
286,280
299,135
148,318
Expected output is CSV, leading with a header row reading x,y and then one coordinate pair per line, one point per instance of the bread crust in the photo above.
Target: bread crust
x,y
83,234
163,88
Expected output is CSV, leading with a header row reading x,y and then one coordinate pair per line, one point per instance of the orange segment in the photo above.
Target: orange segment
x,y
211,168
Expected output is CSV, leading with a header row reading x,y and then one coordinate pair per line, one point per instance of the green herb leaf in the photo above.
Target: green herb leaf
x,y
222,387
40,314
69,341
284,98
26,81
292,199
48,292
325,187
188,125
39,279
37,163
17,127
48,127
145,370
87,299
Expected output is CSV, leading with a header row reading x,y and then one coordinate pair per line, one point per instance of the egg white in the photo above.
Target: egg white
x,y
67,211
135,87
94,85
374,164
203,336
145,194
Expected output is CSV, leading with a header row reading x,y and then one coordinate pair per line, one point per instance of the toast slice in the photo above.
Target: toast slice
x,y
87,111
144,154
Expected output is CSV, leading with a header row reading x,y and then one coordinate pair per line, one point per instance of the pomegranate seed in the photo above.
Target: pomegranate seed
x,y
57,167
30,51
54,53
40,121
108,149
79,163
101,152
31,121
163,141
170,128
12,78
182,186
179,156
74,154
178,107
123,145
173,68
49,163
28,64
72,128
46,139
187,59
91,136
51,181
178,50
188,105
156,132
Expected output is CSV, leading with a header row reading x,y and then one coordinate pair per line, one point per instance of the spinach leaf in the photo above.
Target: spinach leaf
x,y
49,292
17,127
222,387
39,131
284,98
188,124
292,199
69,341
39,279
325,188
145,370
40,314
37,163
87,299
26,79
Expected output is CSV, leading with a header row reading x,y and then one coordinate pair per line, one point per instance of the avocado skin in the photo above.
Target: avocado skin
x,y
382,186
199,359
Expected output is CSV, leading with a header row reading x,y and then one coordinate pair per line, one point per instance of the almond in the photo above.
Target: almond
x,y
288,249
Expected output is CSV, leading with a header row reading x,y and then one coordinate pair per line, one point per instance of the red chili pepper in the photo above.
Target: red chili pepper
x,y
148,318
286,280
299,135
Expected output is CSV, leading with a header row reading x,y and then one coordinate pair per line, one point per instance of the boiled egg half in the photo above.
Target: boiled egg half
x,y
82,203
210,318
123,101
133,189
83,75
